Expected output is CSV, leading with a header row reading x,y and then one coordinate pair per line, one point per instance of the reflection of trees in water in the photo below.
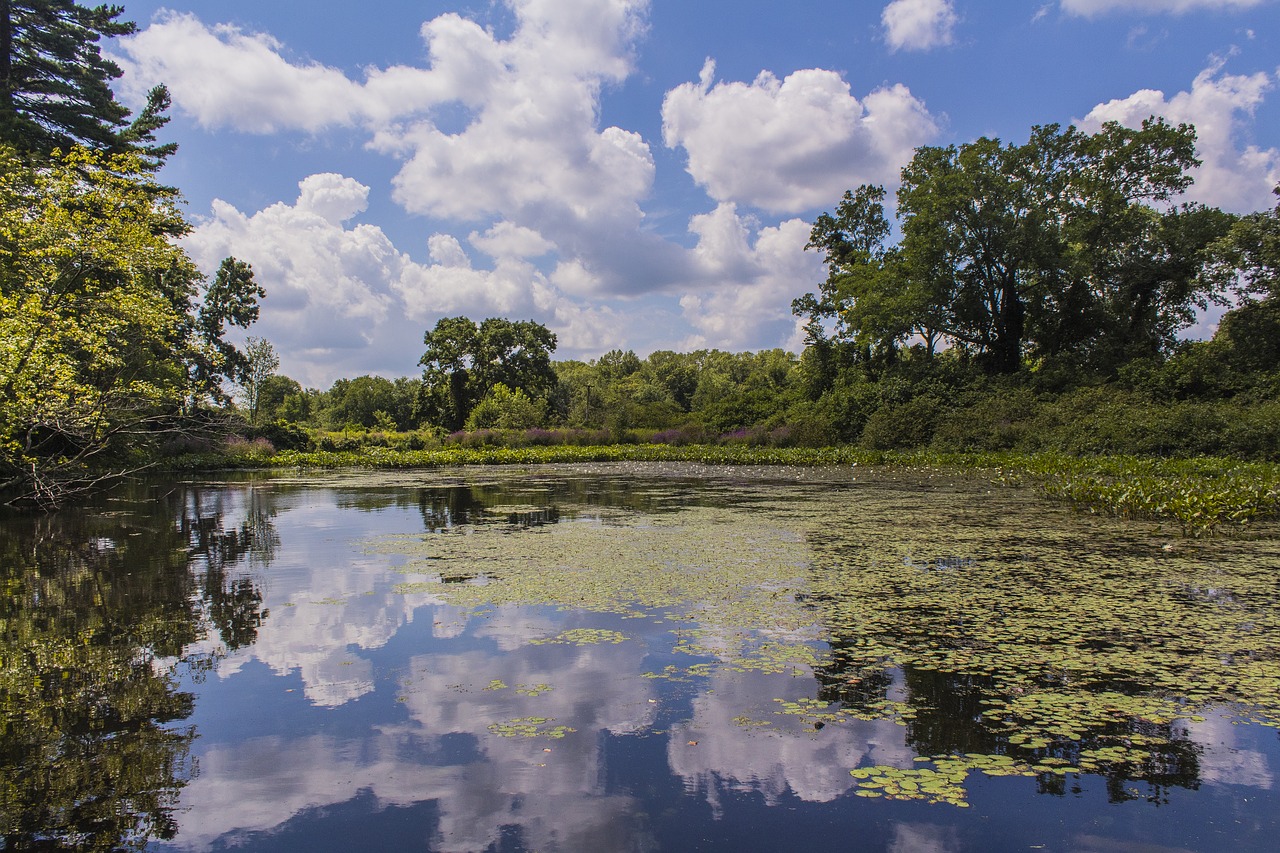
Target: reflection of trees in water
x,y
93,753
547,499
217,549
947,719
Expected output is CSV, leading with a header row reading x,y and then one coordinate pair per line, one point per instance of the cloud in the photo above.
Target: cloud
x,y
227,78
1095,8
794,144
1234,174
341,290
532,148
754,280
536,207
918,24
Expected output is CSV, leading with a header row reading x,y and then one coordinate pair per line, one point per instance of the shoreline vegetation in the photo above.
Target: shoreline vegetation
x,y
1198,497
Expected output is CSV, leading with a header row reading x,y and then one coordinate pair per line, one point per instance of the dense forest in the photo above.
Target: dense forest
x,y
1026,296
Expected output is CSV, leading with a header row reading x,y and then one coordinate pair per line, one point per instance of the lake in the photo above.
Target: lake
x,y
633,657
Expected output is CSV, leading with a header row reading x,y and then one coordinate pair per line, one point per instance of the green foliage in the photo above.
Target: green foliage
x,y
1201,496
55,90
285,435
503,408
1247,258
370,402
261,363
230,299
101,347
1047,249
464,361
93,322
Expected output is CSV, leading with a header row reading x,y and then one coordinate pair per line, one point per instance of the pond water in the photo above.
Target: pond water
x,y
631,658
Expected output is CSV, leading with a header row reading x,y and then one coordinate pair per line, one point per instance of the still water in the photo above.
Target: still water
x,y
631,658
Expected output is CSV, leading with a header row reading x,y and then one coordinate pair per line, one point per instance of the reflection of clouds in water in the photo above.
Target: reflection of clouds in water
x,y
322,605
1221,758
813,765
924,838
593,687
553,789
516,628
259,785
319,630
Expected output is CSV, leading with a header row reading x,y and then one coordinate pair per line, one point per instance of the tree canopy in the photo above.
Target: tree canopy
x,y
55,84
101,341
1065,247
464,361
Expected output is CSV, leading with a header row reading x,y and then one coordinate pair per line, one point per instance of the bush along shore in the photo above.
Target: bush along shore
x,y
1199,497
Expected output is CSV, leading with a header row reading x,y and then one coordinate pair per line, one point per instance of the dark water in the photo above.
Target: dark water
x,y
628,658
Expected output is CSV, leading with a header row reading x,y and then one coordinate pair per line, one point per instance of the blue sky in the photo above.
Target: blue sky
x,y
631,173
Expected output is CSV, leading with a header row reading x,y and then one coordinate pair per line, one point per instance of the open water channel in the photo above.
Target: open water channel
x,y
631,658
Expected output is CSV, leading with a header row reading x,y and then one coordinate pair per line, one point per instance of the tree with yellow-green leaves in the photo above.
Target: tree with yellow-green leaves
x,y
102,343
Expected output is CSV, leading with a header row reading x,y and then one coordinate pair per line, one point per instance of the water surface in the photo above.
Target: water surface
x,y
632,657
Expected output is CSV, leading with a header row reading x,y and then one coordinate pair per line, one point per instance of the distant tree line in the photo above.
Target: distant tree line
x,y
1032,298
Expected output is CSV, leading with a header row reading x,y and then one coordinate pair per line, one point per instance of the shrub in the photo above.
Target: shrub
x,y
903,425
999,420
285,435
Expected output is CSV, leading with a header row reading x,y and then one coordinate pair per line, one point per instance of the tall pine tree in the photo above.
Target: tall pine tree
x,y
55,84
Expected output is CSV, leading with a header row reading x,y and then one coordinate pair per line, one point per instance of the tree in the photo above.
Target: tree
x,y
230,299
1247,258
372,401
261,363
464,361
867,295
1054,248
283,398
55,90
92,314
503,408
99,349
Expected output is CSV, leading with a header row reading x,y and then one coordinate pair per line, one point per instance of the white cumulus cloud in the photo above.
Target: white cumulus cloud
x,y
751,280
535,203
1234,174
793,144
918,24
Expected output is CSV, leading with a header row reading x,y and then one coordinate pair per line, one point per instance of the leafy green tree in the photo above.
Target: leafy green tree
x,y
231,299
463,361
1247,258
282,397
55,84
101,346
372,401
93,329
504,408
261,363
1052,249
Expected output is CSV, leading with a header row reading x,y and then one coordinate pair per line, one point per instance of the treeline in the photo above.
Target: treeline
x,y
1032,299
1217,397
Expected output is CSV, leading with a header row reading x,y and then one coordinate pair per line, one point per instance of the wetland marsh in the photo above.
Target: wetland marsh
x,y
634,657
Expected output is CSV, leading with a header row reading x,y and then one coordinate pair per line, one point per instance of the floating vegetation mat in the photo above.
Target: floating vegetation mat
x,y
1009,635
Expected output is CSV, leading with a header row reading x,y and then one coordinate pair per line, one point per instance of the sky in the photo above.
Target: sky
x,y
633,174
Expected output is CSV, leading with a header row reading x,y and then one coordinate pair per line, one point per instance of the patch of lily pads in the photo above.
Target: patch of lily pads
x,y
1076,645
531,727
